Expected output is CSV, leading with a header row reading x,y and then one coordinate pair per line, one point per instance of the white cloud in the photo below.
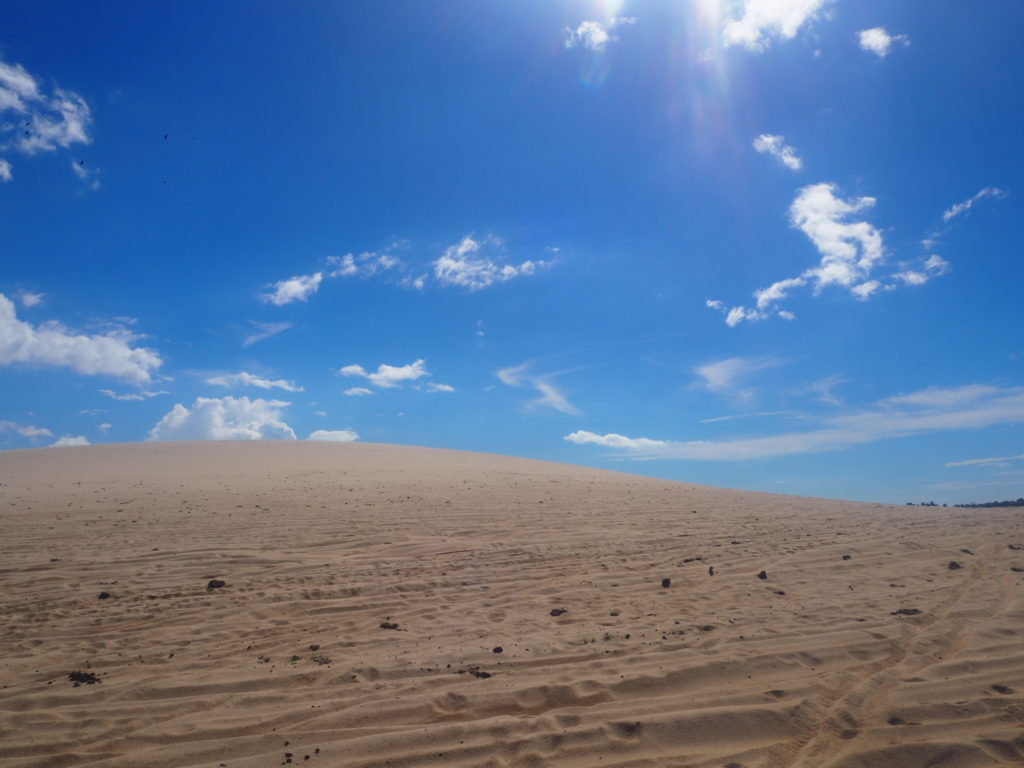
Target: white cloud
x,y
357,391
763,20
365,264
244,379
297,288
87,175
999,461
777,147
879,42
334,435
132,396
264,331
934,266
388,376
593,35
850,251
5,170
727,376
953,211
462,265
68,441
612,440
226,418
550,396
51,343
33,121
29,299
25,430
432,386
104,427
932,410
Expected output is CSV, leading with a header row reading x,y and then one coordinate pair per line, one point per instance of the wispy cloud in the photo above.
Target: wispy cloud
x,y
823,389
132,396
999,461
264,331
6,174
29,299
763,21
366,264
226,418
928,411
879,42
595,35
777,147
51,344
550,396
245,379
727,377
955,210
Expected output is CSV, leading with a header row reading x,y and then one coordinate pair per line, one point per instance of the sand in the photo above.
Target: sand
x,y
561,568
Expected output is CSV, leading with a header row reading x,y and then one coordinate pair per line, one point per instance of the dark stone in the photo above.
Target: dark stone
x,y
967,552
215,584
905,612
847,557
83,678
711,570
1016,547
954,565
497,649
314,647
1016,569
666,583
895,721
762,575
1004,689
779,592
388,625
103,595
778,693
558,611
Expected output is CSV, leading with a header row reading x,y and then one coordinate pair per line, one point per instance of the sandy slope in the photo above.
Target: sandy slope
x,y
320,543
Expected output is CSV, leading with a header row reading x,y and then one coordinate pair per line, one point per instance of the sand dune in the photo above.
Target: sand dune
x,y
527,624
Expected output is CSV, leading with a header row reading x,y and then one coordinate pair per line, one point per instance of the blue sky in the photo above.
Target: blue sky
x,y
764,244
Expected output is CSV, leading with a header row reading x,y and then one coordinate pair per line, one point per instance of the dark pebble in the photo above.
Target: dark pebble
x,y
954,565
497,649
215,584
557,611
762,575
666,583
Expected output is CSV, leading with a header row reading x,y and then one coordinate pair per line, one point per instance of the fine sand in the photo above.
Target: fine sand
x,y
368,590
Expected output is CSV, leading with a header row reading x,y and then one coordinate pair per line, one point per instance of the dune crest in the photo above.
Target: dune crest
x,y
260,604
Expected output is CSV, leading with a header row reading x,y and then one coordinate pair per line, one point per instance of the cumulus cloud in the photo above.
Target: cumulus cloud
x,y
389,376
29,299
612,440
51,344
462,265
225,418
244,379
68,441
550,396
777,147
334,435
296,288
765,20
850,250
25,430
132,396
264,331
33,120
929,411
879,42
955,210
593,35
934,266
365,264
357,391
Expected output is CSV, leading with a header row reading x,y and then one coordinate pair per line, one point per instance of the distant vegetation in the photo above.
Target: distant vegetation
x,y
1009,503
